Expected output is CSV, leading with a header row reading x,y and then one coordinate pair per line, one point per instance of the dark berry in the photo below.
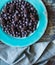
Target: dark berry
x,y
19,18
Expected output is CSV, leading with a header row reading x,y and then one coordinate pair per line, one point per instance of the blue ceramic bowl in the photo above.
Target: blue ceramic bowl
x,y
35,36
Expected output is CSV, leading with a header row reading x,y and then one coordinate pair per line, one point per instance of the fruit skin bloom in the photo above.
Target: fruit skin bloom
x,y
19,18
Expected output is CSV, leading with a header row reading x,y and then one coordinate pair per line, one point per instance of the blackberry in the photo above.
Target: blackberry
x,y
19,18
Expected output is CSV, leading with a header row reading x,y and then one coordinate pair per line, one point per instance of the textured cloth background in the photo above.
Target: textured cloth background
x,y
39,53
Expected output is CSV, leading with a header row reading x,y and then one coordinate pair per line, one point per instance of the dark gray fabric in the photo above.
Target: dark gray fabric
x,y
36,53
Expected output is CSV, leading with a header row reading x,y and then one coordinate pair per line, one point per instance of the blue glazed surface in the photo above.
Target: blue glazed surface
x,y
22,42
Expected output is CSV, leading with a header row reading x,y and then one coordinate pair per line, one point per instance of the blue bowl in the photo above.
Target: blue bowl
x,y
35,36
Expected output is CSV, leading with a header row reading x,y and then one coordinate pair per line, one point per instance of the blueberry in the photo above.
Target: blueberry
x,y
19,18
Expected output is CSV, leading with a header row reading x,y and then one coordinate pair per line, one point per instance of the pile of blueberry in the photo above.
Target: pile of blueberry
x,y
19,18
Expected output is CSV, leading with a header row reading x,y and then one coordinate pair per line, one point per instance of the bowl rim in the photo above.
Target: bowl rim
x,y
22,42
